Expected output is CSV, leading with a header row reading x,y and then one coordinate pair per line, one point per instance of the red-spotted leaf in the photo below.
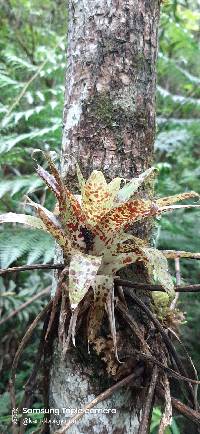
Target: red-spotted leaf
x,y
53,226
70,213
57,232
123,251
49,180
130,212
128,243
121,243
124,215
103,286
82,275
98,196
119,261
170,200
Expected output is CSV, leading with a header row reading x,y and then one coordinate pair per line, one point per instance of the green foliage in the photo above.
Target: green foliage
x,y
156,417
30,245
178,126
31,104
23,184
32,63
13,295
177,147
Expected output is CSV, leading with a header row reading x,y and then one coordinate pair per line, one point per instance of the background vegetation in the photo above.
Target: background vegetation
x,y
32,70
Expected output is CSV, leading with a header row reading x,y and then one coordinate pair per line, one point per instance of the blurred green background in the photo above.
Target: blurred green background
x,y
32,71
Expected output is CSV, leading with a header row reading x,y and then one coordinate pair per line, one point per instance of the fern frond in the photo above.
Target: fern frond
x,y
183,100
169,141
17,243
10,141
5,81
26,184
18,62
13,156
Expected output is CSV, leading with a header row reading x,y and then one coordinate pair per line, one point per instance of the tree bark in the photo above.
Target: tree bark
x,y
109,124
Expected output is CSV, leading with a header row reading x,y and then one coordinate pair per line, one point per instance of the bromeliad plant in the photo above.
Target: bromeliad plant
x,y
91,230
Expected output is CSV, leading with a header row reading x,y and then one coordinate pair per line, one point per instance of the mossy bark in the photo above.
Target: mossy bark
x,y
109,124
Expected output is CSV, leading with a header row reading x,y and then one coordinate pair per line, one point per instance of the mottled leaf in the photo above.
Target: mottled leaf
x,y
82,274
53,226
157,266
98,196
49,180
57,232
123,215
128,213
117,262
128,243
170,200
103,286
121,243
70,212
124,250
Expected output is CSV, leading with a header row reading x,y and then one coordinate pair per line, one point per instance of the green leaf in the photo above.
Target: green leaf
x,y
131,187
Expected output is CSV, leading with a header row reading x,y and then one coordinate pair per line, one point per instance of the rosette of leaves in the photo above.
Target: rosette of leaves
x,y
91,230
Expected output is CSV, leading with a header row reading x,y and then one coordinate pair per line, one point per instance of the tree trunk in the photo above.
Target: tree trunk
x,y
109,124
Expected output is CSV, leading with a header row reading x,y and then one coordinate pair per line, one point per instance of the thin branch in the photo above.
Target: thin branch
x,y
24,305
186,411
144,425
173,254
31,382
31,267
147,287
104,395
122,282
169,345
174,374
155,321
56,300
133,325
148,357
23,343
190,363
